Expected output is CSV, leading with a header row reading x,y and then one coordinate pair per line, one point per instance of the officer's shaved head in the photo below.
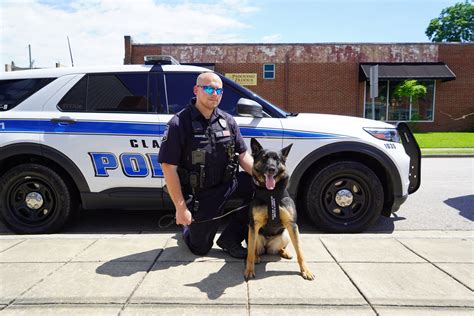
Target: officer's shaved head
x,y
206,102
207,77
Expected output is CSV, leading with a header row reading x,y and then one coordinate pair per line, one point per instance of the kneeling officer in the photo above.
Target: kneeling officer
x,y
200,153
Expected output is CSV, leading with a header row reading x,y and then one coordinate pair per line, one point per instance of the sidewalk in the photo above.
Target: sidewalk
x,y
399,273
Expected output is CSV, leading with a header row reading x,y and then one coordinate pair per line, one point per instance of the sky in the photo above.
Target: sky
x,y
96,28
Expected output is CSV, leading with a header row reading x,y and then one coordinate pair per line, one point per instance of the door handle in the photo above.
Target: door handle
x,y
63,120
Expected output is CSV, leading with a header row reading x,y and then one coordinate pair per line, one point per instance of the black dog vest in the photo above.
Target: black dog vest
x,y
272,198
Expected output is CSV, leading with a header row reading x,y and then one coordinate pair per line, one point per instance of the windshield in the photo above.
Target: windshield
x,y
270,108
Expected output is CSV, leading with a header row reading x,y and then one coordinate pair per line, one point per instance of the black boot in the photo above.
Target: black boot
x,y
234,249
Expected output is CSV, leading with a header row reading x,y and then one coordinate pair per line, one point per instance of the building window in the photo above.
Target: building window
x,y
390,107
269,71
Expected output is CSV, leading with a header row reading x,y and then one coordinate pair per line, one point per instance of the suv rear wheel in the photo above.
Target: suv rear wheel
x,y
34,199
344,197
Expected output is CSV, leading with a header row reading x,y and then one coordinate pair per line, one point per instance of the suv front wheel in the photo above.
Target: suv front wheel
x,y
344,197
34,199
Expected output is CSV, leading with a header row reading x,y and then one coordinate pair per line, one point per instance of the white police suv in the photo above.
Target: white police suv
x,y
91,136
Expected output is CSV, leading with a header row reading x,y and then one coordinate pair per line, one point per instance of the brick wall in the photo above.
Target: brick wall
x,y
139,51
454,99
311,87
323,88
272,90
324,78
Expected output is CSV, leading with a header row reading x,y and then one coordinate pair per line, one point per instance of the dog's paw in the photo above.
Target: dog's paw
x,y
285,254
307,275
249,273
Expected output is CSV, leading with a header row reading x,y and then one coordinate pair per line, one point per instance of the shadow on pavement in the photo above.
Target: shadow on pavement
x,y
145,222
385,224
464,204
214,285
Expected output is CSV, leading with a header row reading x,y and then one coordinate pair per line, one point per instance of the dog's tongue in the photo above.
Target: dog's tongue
x,y
269,182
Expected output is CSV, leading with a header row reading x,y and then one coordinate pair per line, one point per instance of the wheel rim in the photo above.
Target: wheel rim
x,y
32,200
345,199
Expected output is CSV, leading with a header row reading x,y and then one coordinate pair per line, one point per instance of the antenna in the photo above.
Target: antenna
x,y
70,52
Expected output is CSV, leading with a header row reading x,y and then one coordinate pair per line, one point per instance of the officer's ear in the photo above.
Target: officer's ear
x,y
256,147
195,90
285,151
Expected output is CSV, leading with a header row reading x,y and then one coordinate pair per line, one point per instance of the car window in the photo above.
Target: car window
x,y
112,93
180,91
75,99
117,93
179,88
230,98
13,92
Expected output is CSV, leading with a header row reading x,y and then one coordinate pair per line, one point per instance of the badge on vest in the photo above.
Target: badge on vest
x,y
223,123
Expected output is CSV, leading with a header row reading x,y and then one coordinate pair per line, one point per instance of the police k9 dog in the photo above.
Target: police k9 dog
x,y
272,211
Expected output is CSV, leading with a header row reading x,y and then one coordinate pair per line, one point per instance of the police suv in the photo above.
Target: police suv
x,y
91,137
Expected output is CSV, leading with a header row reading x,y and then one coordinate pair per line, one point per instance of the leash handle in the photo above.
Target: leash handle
x,y
172,218
221,216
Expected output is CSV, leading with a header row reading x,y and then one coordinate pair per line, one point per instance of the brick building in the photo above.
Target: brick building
x,y
334,77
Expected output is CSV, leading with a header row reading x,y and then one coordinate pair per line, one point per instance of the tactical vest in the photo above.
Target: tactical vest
x,y
211,154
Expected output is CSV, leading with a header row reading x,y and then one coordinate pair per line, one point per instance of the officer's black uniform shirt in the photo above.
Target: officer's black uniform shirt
x,y
181,138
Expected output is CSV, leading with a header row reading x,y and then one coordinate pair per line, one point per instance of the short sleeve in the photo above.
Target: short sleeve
x,y
171,145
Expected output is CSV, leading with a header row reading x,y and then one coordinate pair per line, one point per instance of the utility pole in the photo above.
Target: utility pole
x,y
70,52
29,50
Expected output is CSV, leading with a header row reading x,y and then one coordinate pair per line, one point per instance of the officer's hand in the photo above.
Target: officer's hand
x,y
184,217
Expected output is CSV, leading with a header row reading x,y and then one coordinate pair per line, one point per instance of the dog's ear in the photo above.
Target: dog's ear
x,y
285,151
256,147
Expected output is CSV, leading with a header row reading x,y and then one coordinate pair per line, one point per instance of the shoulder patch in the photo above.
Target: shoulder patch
x,y
165,134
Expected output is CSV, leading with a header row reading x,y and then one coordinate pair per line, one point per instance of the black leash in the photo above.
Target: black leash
x,y
172,218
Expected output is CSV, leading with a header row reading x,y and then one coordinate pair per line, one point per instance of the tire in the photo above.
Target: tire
x,y
359,196
21,212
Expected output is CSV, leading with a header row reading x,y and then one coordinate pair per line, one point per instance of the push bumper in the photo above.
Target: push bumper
x,y
413,151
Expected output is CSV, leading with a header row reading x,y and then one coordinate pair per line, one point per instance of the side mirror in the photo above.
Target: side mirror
x,y
247,107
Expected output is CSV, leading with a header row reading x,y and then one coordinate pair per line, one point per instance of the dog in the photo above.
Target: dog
x,y
272,211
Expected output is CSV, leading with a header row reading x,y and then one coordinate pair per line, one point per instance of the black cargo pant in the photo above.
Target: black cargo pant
x,y
200,236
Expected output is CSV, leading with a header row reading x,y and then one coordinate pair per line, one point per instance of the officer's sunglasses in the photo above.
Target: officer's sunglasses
x,y
211,90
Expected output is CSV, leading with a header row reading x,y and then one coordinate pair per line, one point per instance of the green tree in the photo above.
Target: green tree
x,y
455,24
409,89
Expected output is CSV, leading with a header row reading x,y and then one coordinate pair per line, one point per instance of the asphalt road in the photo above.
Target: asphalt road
x,y
445,201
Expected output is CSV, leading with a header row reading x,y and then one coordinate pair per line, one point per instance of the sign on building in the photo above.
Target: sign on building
x,y
245,79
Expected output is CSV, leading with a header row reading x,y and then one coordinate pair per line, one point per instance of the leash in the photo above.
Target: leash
x,y
172,218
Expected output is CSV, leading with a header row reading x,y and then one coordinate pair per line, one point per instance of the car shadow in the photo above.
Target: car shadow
x,y
385,225
215,284
464,204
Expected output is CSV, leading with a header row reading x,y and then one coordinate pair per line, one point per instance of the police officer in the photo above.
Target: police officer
x,y
200,153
